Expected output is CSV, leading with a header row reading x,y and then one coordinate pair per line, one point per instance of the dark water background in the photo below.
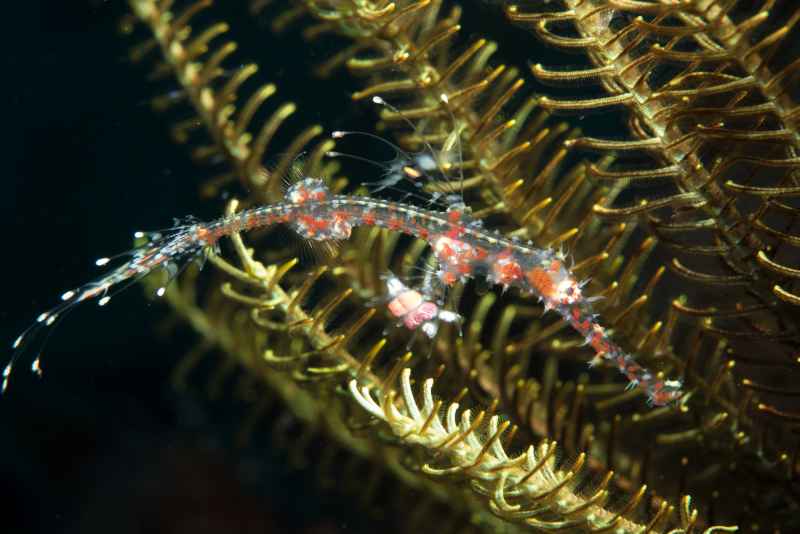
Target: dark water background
x,y
103,443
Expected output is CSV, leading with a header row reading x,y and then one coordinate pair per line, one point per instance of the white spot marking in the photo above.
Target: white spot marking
x,y
448,316
430,328
6,372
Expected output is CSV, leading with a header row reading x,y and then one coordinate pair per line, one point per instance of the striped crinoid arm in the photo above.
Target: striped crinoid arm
x,y
712,92
529,488
712,98
196,57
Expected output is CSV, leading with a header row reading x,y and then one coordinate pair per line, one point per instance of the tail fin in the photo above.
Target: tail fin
x,y
171,250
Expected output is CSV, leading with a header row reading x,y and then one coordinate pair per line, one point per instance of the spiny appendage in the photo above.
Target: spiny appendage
x,y
171,250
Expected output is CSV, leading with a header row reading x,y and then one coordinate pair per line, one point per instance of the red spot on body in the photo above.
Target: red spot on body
x,y
599,343
444,251
542,282
455,231
341,225
312,225
394,224
203,234
457,257
448,278
506,270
